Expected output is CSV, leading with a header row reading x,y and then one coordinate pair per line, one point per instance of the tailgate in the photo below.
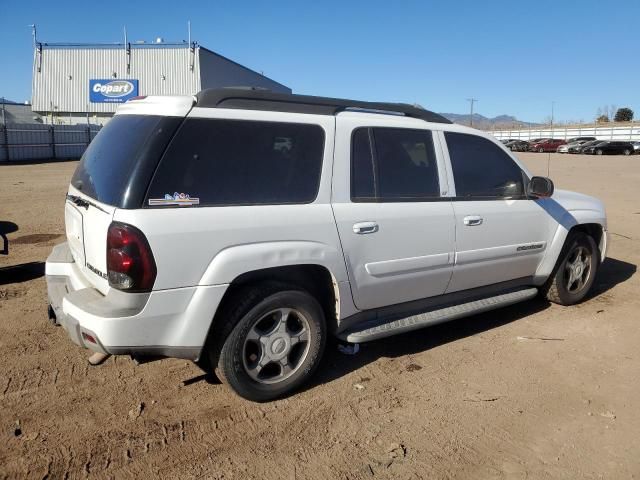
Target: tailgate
x,y
87,222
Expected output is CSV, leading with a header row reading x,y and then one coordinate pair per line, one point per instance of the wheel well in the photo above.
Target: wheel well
x,y
594,230
315,279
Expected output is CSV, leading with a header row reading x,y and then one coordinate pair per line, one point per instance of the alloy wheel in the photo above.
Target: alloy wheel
x,y
276,345
577,269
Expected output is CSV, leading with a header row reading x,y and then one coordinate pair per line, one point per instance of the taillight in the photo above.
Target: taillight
x,y
130,263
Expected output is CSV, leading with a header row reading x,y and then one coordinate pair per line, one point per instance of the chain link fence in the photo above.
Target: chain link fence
x,y
29,142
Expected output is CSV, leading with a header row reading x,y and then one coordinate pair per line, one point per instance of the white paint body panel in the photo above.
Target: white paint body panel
x,y
418,249
488,253
410,256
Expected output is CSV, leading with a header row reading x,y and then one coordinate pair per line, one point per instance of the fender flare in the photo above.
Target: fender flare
x,y
230,263
568,221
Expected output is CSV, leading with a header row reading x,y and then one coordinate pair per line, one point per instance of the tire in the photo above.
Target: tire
x,y
561,287
598,152
627,152
258,355
541,150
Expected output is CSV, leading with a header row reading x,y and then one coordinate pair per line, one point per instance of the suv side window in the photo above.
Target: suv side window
x,y
393,165
241,162
482,169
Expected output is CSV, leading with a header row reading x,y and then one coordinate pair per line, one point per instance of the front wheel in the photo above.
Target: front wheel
x,y
575,270
275,346
541,150
627,152
598,152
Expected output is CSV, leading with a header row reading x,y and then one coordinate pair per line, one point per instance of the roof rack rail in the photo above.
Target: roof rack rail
x,y
261,99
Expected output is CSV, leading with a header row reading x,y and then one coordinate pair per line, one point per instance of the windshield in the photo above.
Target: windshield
x,y
121,159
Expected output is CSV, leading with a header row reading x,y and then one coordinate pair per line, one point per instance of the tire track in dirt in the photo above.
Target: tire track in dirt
x,y
20,382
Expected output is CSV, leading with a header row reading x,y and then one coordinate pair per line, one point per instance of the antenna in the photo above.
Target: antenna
x,y
192,49
127,49
34,32
553,103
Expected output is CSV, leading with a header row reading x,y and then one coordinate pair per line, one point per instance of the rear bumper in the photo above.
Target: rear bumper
x,y
172,323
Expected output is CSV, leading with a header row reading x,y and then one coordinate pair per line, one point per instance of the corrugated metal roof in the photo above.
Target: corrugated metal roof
x,y
61,73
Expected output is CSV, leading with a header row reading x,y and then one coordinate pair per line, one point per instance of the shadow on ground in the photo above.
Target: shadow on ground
x,y
335,364
21,273
611,273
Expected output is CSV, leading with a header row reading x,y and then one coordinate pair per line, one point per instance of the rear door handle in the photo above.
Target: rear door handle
x,y
365,227
472,220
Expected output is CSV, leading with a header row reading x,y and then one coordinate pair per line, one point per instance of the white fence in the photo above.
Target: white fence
x,y
628,131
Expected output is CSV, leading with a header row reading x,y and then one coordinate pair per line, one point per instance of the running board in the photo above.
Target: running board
x,y
386,328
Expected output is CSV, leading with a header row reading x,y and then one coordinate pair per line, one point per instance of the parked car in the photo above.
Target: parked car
x,y
192,233
636,147
580,139
574,147
571,147
612,147
584,146
518,146
547,145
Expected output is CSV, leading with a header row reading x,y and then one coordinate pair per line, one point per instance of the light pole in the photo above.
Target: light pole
x,y
472,101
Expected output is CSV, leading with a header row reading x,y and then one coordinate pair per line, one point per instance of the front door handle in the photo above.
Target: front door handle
x,y
472,220
365,227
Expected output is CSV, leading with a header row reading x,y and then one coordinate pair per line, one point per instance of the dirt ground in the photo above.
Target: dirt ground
x,y
531,391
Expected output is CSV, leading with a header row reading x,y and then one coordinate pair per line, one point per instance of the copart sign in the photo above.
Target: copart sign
x,y
112,91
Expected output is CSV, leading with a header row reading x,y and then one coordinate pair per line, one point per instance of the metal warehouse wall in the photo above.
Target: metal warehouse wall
x,y
612,132
52,86
19,142
218,71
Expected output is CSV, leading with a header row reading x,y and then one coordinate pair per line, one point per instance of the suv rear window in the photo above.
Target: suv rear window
x,y
117,166
239,162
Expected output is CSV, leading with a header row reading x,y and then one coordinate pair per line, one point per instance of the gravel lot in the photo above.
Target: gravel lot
x,y
530,391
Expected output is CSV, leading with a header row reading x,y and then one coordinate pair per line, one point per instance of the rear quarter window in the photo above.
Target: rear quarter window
x,y
117,166
238,162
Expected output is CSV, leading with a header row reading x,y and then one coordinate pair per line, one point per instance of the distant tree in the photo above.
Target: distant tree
x,y
602,119
623,114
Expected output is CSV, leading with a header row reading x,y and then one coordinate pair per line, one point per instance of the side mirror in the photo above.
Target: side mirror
x,y
541,187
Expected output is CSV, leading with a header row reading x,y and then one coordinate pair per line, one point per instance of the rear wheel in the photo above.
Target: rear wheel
x,y
275,344
575,270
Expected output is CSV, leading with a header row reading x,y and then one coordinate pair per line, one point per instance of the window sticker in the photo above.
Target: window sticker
x,y
175,199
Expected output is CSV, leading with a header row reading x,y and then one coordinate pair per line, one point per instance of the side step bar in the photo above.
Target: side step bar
x,y
388,327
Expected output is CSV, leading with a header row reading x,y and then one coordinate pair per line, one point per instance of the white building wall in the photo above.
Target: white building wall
x,y
62,84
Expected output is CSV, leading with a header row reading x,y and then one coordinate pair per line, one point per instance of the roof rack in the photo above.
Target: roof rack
x,y
262,99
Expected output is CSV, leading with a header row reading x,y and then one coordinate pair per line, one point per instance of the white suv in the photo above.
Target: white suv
x,y
240,228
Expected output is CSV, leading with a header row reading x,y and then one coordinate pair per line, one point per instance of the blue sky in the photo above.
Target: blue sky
x,y
514,57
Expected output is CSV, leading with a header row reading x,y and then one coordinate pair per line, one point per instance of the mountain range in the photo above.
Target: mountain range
x,y
486,123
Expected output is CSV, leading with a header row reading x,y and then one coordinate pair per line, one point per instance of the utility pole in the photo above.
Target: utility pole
x,y
472,101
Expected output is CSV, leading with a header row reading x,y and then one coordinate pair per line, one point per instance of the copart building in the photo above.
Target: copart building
x,y
84,83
